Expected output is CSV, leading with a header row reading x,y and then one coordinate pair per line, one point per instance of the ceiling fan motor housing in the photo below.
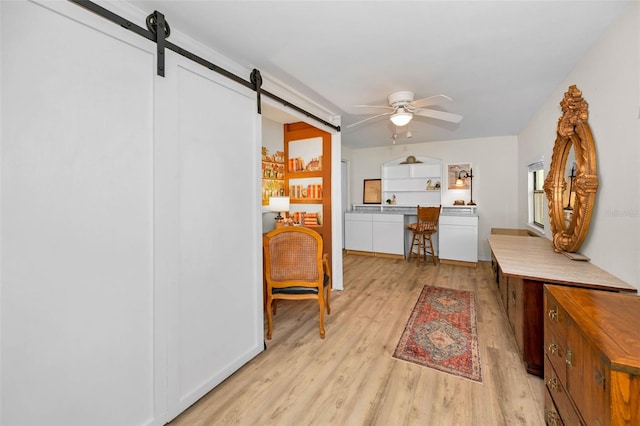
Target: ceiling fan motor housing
x,y
402,98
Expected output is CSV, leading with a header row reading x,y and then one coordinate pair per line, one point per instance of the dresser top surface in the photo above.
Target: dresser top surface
x,y
534,258
609,320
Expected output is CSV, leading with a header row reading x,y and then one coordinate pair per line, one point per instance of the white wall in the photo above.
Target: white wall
x,y
494,183
609,77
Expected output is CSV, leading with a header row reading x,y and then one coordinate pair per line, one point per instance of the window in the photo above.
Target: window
x,y
536,197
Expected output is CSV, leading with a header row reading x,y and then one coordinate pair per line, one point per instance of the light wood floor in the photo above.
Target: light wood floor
x,y
350,377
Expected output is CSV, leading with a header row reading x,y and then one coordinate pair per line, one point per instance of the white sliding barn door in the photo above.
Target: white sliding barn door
x,y
216,302
130,262
76,223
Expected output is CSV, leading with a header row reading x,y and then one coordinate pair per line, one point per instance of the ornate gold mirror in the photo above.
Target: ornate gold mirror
x,y
572,181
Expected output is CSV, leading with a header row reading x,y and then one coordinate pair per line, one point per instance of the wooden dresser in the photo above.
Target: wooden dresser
x,y
592,357
522,266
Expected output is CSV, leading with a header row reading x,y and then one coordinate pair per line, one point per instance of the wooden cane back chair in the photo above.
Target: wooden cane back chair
x,y
295,269
422,232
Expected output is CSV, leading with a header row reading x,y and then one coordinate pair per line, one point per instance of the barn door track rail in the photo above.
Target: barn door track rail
x,y
158,31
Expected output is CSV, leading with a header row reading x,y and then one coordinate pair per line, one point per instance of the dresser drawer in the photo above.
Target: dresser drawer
x,y
551,415
555,351
561,401
555,318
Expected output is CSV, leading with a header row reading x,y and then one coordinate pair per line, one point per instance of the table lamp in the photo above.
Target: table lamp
x,y
463,174
279,205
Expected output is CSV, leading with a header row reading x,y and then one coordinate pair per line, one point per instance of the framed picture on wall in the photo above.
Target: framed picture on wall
x,y
457,176
372,193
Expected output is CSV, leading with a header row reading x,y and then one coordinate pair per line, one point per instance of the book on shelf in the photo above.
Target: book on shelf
x,y
307,218
298,164
311,191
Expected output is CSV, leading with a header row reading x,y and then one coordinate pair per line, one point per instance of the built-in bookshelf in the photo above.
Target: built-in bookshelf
x,y
412,181
273,172
307,152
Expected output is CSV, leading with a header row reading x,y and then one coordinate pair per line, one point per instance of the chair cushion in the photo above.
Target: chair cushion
x,y
300,289
423,227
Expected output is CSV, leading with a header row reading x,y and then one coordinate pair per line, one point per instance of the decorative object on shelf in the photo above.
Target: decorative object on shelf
x,y
392,201
437,185
463,175
272,175
458,202
278,157
429,186
411,160
372,193
279,205
573,140
315,165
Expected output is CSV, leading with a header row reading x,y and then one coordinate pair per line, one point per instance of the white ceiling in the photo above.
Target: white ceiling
x,y
498,60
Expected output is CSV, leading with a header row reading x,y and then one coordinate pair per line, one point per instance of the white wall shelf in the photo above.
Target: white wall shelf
x,y
409,182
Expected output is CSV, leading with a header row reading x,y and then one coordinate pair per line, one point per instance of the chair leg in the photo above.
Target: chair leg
x,y
421,253
433,252
413,242
269,317
321,305
327,299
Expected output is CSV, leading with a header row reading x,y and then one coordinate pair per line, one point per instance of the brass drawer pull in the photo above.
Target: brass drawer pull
x,y
552,418
552,349
553,383
553,314
600,379
569,358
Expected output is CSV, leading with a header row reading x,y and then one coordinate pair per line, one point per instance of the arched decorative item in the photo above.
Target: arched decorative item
x,y
570,224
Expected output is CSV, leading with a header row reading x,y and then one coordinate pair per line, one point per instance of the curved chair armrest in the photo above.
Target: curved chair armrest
x,y
325,264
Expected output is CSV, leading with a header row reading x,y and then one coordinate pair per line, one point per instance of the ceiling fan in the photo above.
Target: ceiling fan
x,y
402,108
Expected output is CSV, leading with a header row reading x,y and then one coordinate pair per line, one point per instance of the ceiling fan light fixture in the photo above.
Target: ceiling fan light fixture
x,y
401,117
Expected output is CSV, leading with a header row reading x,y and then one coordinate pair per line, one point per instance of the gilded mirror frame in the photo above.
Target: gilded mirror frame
x,y
570,228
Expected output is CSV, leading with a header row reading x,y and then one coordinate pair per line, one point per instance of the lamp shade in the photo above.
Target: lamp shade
x,y
401,117
279,204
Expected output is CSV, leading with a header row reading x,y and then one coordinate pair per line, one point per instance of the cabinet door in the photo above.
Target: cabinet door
x,y
587,377
576,366
388,234
458,242
358,232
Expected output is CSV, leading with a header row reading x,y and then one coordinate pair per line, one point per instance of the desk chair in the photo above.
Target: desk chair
x,y
422,232
295,269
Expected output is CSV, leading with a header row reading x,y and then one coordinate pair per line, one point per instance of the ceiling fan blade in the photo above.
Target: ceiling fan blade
x,y
431,100
440,115
367,119
374,106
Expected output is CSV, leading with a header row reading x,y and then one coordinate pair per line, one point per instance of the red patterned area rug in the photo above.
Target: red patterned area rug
x,y
442,333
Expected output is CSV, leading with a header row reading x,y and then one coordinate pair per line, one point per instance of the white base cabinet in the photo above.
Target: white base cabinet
x,y
376,233
458,238
388,233
358,233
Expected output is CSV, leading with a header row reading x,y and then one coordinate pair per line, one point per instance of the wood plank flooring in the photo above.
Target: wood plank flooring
x,y
351,378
